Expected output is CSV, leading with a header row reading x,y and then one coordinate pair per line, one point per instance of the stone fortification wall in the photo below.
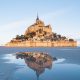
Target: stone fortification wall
x,y
43,44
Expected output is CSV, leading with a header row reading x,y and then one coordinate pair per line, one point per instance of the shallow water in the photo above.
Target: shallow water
x,y
66,67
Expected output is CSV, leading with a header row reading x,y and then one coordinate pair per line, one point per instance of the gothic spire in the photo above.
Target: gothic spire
x,y
37,17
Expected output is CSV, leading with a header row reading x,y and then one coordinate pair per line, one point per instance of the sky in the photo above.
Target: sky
x,y
17,15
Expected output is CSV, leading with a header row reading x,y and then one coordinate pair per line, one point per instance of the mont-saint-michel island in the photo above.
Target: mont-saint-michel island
x,y
39,39
40,35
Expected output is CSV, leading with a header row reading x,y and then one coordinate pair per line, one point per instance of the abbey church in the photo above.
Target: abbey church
x,y
40,35
39,30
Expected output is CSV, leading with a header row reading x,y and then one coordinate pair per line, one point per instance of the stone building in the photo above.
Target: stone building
x,y
39,29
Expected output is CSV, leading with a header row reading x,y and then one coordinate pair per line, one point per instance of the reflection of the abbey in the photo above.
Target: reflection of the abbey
x,y
37,61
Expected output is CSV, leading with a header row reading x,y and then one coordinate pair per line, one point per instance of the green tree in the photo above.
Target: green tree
x,y
17,37
71,39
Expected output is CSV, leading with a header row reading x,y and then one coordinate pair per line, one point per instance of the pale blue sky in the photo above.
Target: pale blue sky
x,y
17,15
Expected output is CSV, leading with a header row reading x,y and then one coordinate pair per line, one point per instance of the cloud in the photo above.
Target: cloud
x,y
8,31
12,25
54,14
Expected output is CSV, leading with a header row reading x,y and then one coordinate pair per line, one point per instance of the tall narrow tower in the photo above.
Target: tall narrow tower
x,y
37,19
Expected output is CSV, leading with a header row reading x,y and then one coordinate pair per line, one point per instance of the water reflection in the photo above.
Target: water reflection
x,y
38,61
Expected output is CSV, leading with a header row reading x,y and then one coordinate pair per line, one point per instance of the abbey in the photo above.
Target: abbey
x,y
38,30
41,35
